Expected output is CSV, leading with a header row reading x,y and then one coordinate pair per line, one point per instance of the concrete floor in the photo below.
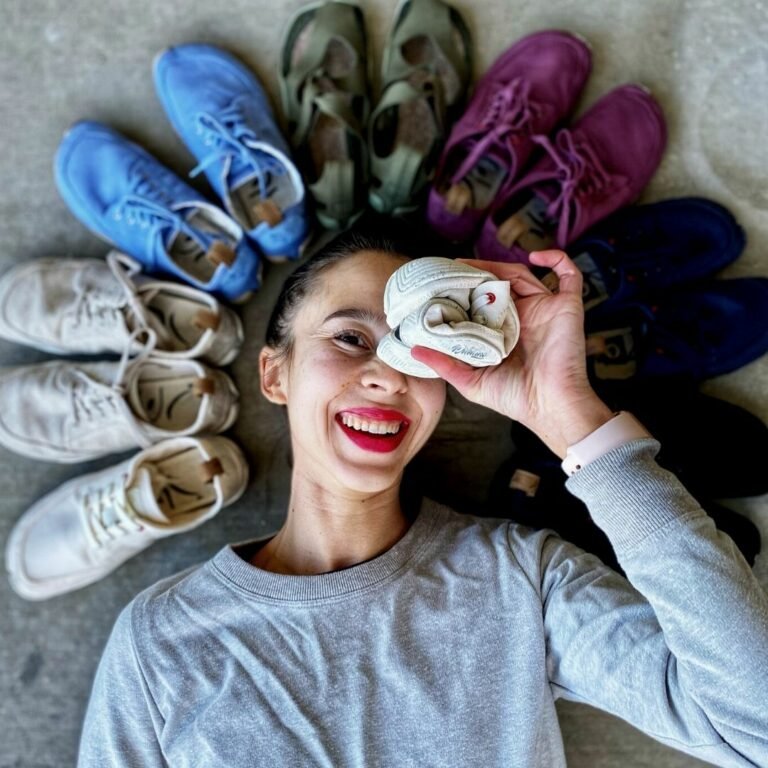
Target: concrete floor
x,y
706,61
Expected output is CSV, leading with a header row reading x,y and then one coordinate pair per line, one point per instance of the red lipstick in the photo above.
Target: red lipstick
x,y
367,440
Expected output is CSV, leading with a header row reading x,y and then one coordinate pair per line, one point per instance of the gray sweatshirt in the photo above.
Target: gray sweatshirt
x,y
451,648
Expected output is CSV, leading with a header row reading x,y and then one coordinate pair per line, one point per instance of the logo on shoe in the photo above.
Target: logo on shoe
x,y
462,350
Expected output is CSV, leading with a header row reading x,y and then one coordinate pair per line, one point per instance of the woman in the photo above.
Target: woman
x,y
369,632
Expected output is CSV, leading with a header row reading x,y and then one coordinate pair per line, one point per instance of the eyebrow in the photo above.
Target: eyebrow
x,y
363,315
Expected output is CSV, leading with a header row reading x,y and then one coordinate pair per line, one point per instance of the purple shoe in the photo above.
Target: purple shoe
x,y
529,89
590,170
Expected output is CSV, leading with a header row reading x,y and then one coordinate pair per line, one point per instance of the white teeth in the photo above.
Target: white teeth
x,y
375,427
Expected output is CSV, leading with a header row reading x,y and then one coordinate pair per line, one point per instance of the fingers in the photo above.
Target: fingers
x,y
456,373
521,280
567,272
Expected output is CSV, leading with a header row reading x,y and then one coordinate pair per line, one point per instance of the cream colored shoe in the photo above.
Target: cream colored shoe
x,y
89,526
90,306
452,307
69,412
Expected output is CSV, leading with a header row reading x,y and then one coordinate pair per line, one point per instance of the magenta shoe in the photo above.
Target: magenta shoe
x,y
530,88
590,170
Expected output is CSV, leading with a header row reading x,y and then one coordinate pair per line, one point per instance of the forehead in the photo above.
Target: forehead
x,y
357,281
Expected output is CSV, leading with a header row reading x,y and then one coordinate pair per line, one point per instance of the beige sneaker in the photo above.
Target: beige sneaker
x,y
68,412
89,526
90,306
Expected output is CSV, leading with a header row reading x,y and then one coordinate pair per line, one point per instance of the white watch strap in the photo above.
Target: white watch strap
x,y
622,428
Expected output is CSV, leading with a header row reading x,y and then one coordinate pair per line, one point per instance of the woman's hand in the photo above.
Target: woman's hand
x,y
543,382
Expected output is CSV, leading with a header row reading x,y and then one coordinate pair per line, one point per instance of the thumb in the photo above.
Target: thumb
x,y
459,375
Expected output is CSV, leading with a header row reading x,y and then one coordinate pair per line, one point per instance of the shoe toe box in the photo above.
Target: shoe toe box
x,y
34,300
202,78
47,552
91,168
629,127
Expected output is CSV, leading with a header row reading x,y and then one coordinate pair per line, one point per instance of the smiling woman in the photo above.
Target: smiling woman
x,y
372,632
355,422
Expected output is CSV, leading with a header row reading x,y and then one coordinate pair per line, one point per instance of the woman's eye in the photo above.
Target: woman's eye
x,y
352,339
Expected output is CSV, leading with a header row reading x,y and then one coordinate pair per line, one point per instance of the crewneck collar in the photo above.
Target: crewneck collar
x,y
289,588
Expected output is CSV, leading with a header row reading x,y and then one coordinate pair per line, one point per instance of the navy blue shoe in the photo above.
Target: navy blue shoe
x,y
647,249
123,194
697,331
529,488
718,450
221,112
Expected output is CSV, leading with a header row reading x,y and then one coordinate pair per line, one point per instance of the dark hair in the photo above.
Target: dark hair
x,y
303,280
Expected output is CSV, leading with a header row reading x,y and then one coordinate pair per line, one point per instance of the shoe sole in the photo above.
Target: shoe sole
x,y
234,409
231,356
583,40
300,253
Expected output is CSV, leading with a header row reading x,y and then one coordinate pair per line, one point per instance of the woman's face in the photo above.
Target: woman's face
x,y
355,422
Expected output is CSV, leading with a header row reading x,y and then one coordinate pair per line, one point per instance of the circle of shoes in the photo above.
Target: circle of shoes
x,y
500,172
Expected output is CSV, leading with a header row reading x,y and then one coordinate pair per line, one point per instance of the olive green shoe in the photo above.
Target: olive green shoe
x,y
324,89
426,71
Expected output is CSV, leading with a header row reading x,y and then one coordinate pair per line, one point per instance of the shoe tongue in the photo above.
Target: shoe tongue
x,y
141,496
600,281
242,172
134,400
495,152
150,319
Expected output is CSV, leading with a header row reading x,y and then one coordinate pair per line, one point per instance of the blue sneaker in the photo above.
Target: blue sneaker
x,y
647,249
696,331
221,112
122,193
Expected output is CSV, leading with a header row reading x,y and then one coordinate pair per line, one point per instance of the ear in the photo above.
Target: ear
x,y
272,374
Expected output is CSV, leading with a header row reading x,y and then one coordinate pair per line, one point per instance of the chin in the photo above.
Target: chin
x,y
368,480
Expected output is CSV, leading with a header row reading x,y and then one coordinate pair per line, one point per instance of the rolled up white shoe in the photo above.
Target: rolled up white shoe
x,y
455,308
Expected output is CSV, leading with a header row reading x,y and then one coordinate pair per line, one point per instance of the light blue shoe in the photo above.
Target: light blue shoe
x,y
221,112
122,193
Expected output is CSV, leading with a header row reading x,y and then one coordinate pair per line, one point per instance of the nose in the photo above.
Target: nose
x,y
378,375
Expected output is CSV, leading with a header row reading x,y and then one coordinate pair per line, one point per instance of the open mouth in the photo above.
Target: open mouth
x,y
374,429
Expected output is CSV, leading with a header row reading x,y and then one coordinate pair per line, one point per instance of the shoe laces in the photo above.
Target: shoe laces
x,y
103,307
580,172
231,140
92,400
121,304
510,111
106,514
148,205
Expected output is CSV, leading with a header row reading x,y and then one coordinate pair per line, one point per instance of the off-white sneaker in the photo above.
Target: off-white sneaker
x,y
90,306
69,412
89,526
455,308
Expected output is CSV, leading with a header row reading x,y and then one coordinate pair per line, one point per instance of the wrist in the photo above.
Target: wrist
x,y
621,429
572,424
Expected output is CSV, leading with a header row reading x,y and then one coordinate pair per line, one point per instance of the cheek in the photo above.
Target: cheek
x,y
430,394
323,377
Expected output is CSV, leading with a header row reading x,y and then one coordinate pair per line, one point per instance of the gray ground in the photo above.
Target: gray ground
x,y
706,61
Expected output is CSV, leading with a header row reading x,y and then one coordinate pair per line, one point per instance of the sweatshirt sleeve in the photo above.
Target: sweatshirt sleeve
x,y
681,652
122,721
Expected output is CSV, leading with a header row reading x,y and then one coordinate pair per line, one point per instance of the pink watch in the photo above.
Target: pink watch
x,y
622,428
